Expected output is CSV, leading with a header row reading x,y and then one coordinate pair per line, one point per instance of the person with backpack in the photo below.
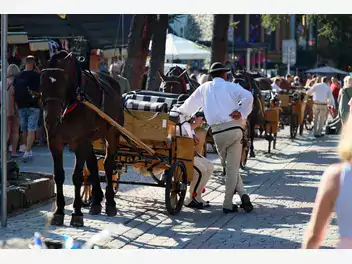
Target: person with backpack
x,y
344,98
29,109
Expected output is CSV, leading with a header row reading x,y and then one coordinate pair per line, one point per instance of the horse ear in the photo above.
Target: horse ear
x,y
161,75
183,73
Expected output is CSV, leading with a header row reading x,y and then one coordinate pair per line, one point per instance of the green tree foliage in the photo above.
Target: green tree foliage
x,y
337,29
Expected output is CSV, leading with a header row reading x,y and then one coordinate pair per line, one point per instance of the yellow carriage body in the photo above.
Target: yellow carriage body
x,y
159,133
272,116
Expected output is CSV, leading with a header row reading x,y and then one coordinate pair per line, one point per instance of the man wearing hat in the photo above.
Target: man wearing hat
x,y
29,110
220,102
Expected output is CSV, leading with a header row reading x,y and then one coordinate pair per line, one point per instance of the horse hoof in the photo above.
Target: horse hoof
x,y
252,155
76,220
111,210
95,209
57,220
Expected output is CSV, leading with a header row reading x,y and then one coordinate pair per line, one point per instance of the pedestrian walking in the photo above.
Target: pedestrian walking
x,y
345,95
13,119
322,97
335,89
29,110
220,102
334,194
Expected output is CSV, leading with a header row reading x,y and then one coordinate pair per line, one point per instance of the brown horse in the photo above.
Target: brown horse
x,y
177,81
248,81
69,122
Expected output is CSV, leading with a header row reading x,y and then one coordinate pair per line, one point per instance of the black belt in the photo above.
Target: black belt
x,y
228,129
231,128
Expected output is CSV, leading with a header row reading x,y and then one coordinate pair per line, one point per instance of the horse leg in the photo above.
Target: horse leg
x,y
77,215
109,164
59,177
97,193
251,135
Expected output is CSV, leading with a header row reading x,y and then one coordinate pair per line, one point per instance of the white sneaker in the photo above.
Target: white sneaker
x,y
10,148
27,156
22,148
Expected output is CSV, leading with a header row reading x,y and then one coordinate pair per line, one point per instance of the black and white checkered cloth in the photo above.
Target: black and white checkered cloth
x,y
152,99
137,105
291,91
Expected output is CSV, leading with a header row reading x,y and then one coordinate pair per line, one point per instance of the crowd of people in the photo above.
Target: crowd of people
x,y
25,124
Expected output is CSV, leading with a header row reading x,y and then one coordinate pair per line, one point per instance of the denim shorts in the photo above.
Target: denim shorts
x,y
29,118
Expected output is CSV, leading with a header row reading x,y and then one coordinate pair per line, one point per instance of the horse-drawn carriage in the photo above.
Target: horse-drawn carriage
x,y
156,148
293,109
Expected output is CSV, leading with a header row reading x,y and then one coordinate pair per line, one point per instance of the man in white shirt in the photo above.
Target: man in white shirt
x,y
220,102
203,167
322,96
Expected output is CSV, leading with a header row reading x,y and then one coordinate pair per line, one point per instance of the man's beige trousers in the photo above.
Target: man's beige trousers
x,y
229,148
319,112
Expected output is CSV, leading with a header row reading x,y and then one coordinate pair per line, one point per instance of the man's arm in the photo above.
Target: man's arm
x,y
311,90
193,103
246,99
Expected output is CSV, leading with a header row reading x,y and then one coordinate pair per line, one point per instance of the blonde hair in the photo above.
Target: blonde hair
x,y
12,70
347,82
345,144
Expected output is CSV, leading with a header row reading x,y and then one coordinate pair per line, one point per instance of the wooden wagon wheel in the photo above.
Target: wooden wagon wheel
x,y
176,187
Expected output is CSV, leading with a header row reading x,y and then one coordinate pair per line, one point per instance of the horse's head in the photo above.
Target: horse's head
x,y
68,62
177,81
54,92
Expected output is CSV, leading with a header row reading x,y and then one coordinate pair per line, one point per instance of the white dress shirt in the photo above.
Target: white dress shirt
x,y
186,128
275,87
218,99
322,94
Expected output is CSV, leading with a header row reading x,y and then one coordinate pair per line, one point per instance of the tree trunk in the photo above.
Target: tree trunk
x,y
220,40
138,46
158,52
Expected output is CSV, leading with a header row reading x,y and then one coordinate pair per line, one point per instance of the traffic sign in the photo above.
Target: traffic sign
x,y
289,51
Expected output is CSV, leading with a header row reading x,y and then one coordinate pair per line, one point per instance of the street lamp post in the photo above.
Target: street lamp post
x,y
3,122
289,60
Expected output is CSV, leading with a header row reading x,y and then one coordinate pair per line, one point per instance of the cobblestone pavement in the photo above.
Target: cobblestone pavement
x,y
281,184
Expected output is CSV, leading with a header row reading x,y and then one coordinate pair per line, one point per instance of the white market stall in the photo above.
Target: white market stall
x,y
326,70
178,48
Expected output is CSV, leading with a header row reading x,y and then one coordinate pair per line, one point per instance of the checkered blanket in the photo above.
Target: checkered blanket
x,y
159,107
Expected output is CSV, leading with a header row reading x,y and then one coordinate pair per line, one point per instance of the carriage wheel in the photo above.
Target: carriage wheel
x,y
308,121
294,125
176,187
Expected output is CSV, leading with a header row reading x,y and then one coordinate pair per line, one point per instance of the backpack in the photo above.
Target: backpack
x,y
21,91
344,108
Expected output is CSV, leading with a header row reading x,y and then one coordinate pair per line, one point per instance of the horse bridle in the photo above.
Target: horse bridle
x,y
62,102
